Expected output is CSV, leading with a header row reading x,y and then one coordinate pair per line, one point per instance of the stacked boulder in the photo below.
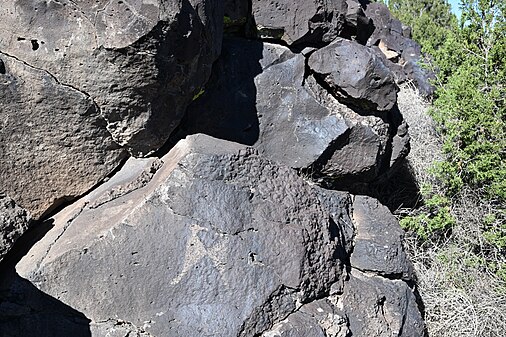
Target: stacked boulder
x,y
197,160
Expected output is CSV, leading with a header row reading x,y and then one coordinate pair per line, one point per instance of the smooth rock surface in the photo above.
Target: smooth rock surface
x,y
140,61
54,144
354,73
14,221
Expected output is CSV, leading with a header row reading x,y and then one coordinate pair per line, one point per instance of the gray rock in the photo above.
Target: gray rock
x,y
141,61
218,242
376,306
260,96
316,319
301,21
371,150
257,98
14,221
378,241
54,145
355,74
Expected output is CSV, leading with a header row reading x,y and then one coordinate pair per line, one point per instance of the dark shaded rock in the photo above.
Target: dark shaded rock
x,y
14,221
357,25
378,241
222,241
391,40
371,150
300,22
259,95
54,144
141,61
26,311
355,74
375,306
237,11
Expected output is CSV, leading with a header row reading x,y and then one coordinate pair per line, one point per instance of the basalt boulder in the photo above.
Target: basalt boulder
x,y
391,40
140,61
54,145
260,94
355,74
211,239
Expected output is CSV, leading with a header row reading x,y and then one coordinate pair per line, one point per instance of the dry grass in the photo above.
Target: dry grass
x,y
462,296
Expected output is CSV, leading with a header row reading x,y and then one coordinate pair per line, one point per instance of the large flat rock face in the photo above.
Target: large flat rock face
x,y
54,144
217,242
211,239
141,61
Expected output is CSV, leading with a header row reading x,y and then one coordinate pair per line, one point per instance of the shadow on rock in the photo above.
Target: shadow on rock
x,y
25,310
227,108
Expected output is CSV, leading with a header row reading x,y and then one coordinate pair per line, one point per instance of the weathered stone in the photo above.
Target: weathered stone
x,y
378,240
301,21
215,214
371,149
316,319
358,26
259,96
391,40
355,74
54,145
141,61
14,221
376,306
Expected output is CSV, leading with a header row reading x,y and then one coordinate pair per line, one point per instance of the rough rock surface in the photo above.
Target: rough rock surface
x,y
53,141
376,306
260,95
14,221
140,61
378,241
356,74
215,241
296,22
391,40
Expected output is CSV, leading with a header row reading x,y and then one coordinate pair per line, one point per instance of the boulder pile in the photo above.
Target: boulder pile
x,y
188,168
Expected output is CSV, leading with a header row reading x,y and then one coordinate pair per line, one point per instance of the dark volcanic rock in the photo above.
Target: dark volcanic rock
x,y
54,144
378,241
354,73
215,240
222,241
391,40
14,222
259,95
258,99
375,306
141,61
300,21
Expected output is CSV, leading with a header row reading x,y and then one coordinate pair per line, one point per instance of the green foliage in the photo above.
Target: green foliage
x,y
469,57
435,219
